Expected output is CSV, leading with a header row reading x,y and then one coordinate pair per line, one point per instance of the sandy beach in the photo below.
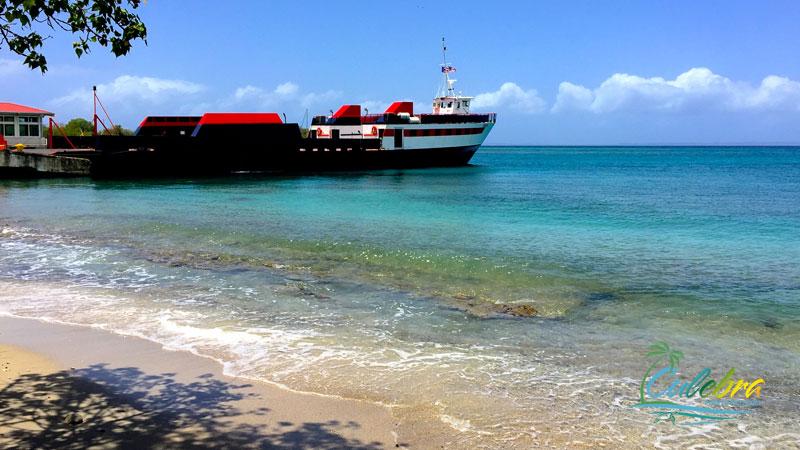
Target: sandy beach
x,y
130,393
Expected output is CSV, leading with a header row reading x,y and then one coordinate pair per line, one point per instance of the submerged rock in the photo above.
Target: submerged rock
x,y
519,310
485,308
771,322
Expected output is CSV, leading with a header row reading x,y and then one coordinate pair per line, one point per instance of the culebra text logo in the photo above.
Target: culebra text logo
x,y
670,399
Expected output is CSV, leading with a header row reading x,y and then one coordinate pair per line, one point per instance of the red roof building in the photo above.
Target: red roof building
x,y
22,125
20,109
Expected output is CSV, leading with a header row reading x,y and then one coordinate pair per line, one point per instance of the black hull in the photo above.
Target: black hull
x,y
224,149
164,164
379,159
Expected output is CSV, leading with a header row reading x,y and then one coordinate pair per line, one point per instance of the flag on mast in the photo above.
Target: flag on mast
x,y
448,69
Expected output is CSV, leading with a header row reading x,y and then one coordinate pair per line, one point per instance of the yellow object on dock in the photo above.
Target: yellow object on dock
x,y
19,147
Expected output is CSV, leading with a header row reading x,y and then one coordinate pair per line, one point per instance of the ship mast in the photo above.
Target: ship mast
x,y
446,70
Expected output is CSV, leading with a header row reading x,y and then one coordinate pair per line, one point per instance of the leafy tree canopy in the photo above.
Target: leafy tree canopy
x,y
119,131
77,127
83,127
100,22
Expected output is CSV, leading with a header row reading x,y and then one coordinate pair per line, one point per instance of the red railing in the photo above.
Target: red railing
x,y
104,126
96,117
50,129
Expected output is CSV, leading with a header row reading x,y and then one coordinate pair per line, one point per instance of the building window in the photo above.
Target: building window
x,y
29,126
7,125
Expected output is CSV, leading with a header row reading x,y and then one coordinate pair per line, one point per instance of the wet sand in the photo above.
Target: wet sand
x,y
130,393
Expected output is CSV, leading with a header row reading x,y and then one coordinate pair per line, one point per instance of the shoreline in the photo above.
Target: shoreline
x,y
132,391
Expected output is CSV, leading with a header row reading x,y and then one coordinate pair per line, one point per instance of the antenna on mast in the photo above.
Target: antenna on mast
x,y
446,69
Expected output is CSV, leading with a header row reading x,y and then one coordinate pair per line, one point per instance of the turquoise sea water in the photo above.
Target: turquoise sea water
x,y
406,287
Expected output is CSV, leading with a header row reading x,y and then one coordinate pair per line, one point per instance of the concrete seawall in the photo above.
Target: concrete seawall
x,y
25,165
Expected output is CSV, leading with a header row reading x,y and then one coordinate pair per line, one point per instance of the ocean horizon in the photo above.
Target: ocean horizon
x,y
513,299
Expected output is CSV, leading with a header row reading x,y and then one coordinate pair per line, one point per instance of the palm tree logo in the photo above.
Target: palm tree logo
x,y
662,351
665,416
670,410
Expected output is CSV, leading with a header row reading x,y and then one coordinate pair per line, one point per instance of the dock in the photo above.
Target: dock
x,y
35,165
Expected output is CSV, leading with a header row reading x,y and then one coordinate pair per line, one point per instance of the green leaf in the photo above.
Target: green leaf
x,y
97,21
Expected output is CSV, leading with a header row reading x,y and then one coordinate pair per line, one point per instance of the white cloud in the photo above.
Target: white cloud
x,y
572,96
130,98
10,67
250,93
147,88
286,89
128,88
511,96
698,89
317,99
286,95
374,106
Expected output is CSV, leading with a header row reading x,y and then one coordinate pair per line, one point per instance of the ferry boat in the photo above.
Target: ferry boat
x,y
217,143
450,135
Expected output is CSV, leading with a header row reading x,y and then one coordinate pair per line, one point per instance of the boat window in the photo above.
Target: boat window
x,y
466,102
449,104
458,104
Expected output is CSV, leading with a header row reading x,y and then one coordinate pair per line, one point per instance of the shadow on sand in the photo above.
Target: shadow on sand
x,y
126,408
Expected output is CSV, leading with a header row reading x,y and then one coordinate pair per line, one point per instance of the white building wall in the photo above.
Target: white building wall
x,y
39,141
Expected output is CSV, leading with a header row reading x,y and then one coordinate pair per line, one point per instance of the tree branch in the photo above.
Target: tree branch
x,y
95,21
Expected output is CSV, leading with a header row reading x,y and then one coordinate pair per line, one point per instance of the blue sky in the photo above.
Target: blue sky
x,y
557,73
